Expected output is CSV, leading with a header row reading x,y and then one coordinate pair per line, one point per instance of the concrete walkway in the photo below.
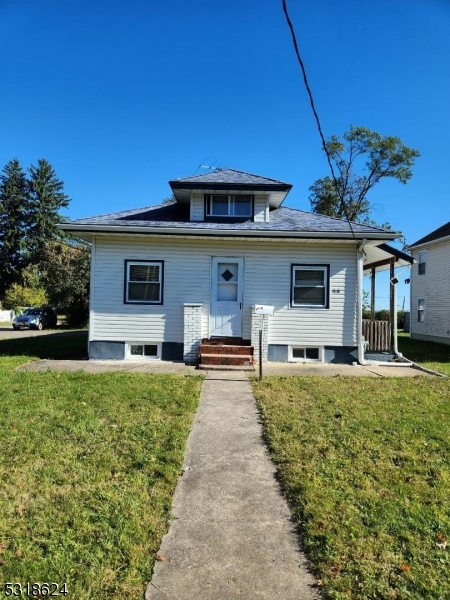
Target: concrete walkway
x,y
232,537
178,367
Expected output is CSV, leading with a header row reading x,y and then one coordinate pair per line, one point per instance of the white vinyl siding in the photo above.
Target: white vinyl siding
x,y
261,209
197,207
187,278
434,287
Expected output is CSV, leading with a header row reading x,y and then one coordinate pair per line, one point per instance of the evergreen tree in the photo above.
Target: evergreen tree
x,y
13,209
45,199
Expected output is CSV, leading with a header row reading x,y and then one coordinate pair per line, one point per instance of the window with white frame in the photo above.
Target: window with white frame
x,y
422,262
306,354
144,350
309,285
225,205
421,310
143,282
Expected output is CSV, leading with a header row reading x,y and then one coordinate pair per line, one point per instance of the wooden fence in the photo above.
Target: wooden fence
x,y
377,334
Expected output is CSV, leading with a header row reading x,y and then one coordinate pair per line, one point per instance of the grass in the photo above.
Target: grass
x,y
364,464
64,345
428,354
89,465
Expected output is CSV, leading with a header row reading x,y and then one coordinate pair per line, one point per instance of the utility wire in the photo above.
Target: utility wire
x,y
316,116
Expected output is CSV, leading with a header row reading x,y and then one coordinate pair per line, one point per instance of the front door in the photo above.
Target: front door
x,y
226,296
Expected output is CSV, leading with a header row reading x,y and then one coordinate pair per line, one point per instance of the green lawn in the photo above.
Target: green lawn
x,y
88,468
428,354
365,466
63,345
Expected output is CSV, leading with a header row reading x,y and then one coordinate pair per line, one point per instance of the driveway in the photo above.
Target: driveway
x,y
7,333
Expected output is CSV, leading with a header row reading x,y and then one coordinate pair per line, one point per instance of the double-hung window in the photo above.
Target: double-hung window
x,y
422,262
143,282
223,205
309,285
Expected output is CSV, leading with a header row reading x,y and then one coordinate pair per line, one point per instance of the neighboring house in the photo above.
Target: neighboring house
x,y
430,287
165,277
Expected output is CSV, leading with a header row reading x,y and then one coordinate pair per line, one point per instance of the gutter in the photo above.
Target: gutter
x,y
255,233
445,238
359,271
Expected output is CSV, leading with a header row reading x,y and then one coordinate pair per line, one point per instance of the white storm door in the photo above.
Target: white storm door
x,y
226,296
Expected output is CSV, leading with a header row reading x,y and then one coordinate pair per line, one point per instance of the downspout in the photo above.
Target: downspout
x,y
359,275
394,324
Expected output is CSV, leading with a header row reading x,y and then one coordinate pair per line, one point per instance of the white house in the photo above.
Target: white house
x,y
206,267
430,287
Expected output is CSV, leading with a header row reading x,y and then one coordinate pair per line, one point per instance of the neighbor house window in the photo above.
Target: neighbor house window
x,y
222,205
144,282
141,350
422,262
309,285
421,310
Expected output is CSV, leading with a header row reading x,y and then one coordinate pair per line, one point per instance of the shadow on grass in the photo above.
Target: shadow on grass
x,y
64,345
420,351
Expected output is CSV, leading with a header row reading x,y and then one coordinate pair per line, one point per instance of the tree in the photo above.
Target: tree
x,y
45,199
383,157
13,208
29,214
20,295
29,293
66,270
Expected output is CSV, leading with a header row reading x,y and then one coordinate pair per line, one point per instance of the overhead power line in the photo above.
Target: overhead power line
x,y
316,116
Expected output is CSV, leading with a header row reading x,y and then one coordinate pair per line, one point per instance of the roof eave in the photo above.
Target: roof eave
x,y
416,245
118,229
205,187
220,185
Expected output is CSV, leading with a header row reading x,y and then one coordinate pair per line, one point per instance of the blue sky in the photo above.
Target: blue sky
x,y
120,96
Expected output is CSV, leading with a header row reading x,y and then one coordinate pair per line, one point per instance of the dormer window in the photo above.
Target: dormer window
x,y
222,205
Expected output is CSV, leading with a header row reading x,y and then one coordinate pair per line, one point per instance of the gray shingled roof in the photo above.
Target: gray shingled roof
x,y
282,219
437,234
228,176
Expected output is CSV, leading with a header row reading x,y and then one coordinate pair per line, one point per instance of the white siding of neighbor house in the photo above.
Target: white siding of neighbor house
x,y
197,207
261,209
434,287
187,278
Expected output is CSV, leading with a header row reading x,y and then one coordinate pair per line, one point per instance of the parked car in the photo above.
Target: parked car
x,y
36,318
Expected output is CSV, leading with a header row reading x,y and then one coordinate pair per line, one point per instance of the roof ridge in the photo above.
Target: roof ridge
x,y
218,169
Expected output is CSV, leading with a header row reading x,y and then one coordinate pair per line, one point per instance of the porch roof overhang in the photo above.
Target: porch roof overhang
x,y
381,257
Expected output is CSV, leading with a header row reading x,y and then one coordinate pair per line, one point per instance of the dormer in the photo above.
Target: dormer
x,y
227,195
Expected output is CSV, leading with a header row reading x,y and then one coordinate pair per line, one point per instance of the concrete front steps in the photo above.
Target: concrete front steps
x,y
228,353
